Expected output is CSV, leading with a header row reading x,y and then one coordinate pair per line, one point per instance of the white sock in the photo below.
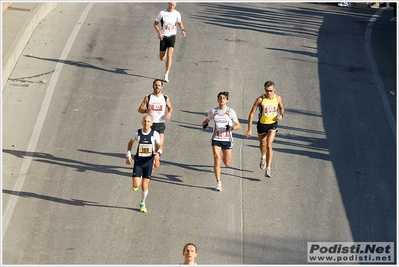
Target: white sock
x,y
145,193
264,157
166,72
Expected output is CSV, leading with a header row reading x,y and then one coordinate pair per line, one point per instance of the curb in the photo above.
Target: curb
x,y
6,5
23,36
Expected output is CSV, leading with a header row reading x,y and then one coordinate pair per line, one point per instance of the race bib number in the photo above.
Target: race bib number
x,y
145,150
221,134
169,27
270,110
157,107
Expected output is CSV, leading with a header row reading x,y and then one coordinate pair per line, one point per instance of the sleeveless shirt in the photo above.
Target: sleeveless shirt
x,y
145,147
158,105
268,110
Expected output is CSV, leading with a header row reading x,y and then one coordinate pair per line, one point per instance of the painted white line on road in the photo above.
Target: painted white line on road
x,y
230,221
377,76
39,123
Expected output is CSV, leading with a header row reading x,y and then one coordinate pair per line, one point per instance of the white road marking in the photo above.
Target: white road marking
x,y
230,220
40,121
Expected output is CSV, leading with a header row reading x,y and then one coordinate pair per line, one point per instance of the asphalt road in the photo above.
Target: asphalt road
x,y
71,108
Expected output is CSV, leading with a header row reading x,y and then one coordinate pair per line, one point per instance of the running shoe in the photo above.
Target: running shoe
x,y
166,78
267,173
156,163
218,186
142,207
262,164
135,188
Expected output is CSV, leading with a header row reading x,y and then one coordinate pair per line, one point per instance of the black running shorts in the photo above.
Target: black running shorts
x,y
159,127
265,128
143,167
223,144
167,42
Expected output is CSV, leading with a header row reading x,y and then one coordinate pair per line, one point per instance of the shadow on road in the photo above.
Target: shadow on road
x,y
363,153
73,202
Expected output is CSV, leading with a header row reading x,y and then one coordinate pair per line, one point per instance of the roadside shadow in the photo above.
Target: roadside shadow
x,y
72,202
81,64
192,167
173,180
79,166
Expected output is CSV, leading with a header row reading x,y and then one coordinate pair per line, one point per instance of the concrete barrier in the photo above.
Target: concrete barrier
x,y
23,36
6,5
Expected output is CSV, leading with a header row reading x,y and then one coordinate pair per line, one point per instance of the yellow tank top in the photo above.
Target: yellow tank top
x,y
268,110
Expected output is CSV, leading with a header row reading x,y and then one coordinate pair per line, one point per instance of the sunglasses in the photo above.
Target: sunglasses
x,y
269,91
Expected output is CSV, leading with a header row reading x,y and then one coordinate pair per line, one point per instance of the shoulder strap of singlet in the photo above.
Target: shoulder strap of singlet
x,y
216,112
227,112
148,100
140,132
149,96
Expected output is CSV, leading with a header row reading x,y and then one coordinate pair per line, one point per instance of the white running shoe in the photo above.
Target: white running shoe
x,y
219,186
262,164
166,78
267,173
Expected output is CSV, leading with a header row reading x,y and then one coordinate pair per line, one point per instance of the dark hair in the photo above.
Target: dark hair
x,y
190,244
269,83
226,94
157,80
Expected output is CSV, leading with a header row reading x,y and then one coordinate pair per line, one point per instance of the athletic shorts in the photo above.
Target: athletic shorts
x,y
159,127
143,169
223,144
265,128
167,42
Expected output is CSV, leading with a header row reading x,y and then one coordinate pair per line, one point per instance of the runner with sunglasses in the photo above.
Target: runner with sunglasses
x,y
271,110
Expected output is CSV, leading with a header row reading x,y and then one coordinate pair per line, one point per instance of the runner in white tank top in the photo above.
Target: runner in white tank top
x,y
158,106
165,25
225,120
